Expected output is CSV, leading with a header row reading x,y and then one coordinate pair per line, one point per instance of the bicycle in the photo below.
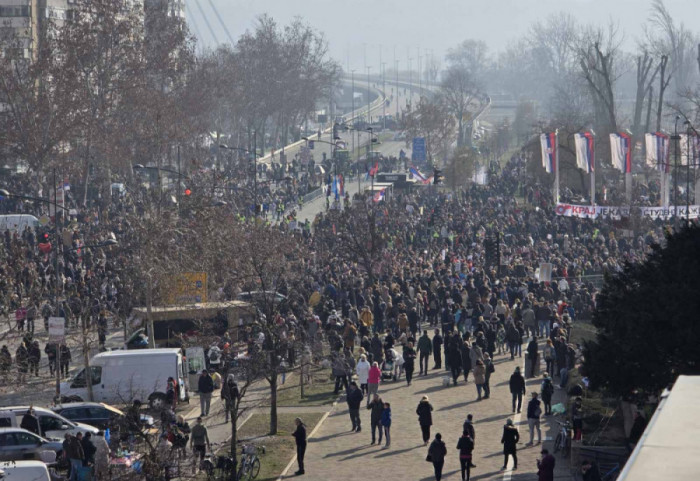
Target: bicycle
x,y
250,463
563,439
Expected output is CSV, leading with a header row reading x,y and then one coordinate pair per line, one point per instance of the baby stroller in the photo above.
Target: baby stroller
x,y
388,370
388,366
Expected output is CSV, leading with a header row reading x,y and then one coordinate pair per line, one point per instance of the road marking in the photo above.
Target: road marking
x,y
316,428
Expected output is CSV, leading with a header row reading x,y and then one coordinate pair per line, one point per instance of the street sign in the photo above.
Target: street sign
x,y
57,329
418,149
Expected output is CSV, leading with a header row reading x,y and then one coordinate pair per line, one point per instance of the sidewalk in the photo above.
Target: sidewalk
x,y
352,456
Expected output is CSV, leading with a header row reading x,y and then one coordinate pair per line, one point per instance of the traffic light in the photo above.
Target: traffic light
x,y
335,131
437,176
188,192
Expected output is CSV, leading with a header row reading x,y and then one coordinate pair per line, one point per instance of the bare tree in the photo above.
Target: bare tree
x,y
645,77
459,90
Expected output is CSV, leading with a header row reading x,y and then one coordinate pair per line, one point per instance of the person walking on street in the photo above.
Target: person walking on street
x,y
468,427
101,456
489,369
545,467
230,395
465,446
22,361
517,388
362,370
199,440
386,423
339,368
479,377
34,356
510,439
577,418
533,357
534,411
205,386
425,418
409,358
376,407
373,379
437,349
51,351
546,391
425,349
354,400
65,360
550,355
437,452
89,449
300,440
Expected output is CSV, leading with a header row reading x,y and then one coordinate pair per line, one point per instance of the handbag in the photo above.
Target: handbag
x,y
429,458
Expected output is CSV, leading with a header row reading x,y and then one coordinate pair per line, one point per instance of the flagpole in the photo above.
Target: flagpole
x,y
628,169
556,166
592,167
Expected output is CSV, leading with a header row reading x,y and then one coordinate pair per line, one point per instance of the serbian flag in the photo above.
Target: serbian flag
x,y
379,196
657,151
548,142
417,174
620,149
585,151
373,171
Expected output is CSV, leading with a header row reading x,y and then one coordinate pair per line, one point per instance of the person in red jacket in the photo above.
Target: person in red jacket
x,y
545,467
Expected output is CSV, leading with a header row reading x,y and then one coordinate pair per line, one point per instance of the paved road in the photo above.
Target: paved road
x,y
336,453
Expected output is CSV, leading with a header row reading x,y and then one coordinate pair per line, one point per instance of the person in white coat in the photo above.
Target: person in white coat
x,y
362,370
398,363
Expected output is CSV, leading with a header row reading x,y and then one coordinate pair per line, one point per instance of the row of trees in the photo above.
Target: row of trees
x,y
112,86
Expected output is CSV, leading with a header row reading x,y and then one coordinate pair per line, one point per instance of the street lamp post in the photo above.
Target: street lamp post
x,y
676,140
369,118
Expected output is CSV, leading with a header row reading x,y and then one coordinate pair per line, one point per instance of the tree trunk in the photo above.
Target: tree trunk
x,y
663,83
234,433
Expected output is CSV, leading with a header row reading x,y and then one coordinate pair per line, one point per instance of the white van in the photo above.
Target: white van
x,y
120,377
51,424
24,471
17,222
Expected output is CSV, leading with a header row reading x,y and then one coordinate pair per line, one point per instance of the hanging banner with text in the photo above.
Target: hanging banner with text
x,y
616,212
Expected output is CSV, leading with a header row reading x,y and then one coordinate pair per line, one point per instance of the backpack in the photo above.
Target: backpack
x,y
548,387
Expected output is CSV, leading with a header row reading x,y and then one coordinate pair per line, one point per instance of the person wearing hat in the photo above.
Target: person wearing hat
x,y
517,388
545,467
425,418
510,439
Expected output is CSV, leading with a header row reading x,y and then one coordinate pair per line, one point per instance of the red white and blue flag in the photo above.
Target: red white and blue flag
x,y
418,176
657,151
549,151
585,151
380,196
621,152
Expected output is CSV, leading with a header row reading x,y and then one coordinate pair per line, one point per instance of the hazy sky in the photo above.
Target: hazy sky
x,y
355,26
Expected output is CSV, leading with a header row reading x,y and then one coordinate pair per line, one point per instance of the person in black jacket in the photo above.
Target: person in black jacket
x,y
425,418
409,358
30,422
466,359
300,440
454,359
89,450
205,386
465,446
437,353
354,401
510,438
376,407
517,388
437,452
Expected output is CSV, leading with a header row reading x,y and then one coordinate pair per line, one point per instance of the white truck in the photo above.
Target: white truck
x,y
120,377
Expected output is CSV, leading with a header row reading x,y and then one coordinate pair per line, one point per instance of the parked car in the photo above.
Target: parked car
x,y
100,415
51,424
24,471
17,444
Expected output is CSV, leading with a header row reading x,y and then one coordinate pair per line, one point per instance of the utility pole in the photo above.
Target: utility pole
x,y
369,115
57,288
384,92
397,89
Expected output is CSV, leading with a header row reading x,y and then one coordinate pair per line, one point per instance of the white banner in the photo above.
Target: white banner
x,y
57,329
592,211
617,212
